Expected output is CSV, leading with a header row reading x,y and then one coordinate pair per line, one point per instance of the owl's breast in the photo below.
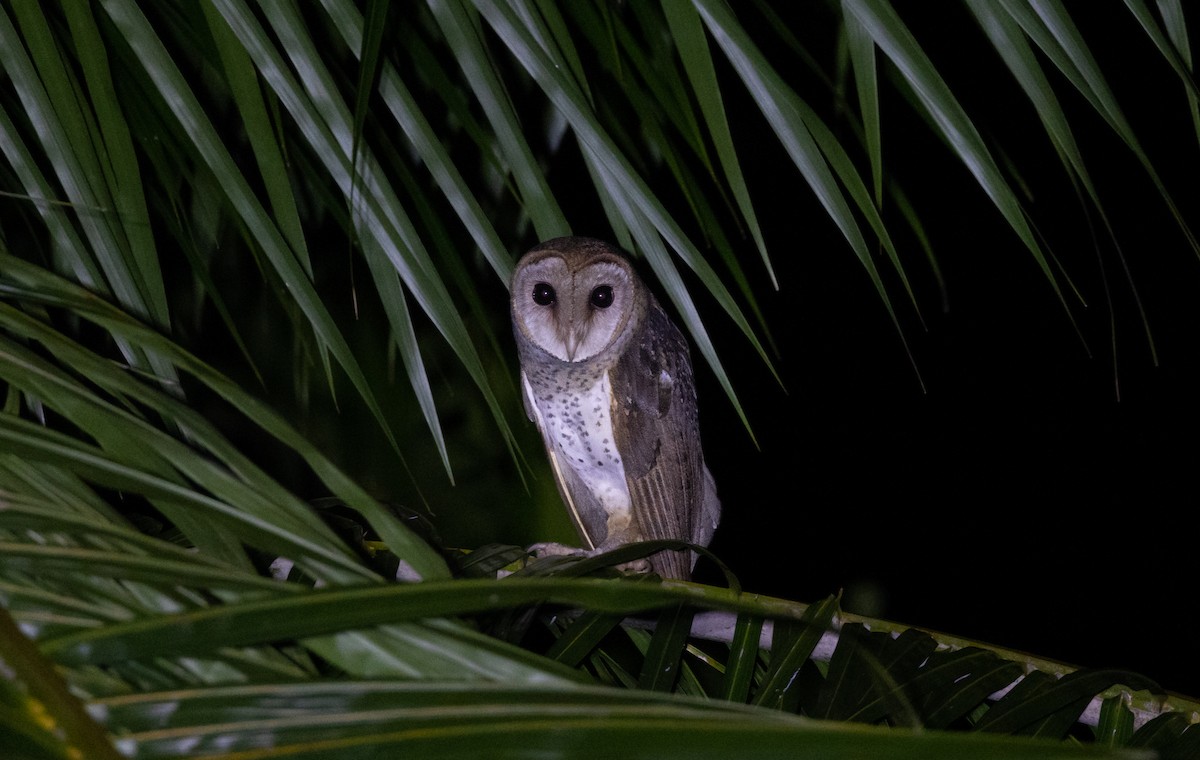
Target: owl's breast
x,y
575,411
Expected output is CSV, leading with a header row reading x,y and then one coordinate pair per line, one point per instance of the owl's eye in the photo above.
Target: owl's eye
x,y
602,297
543,294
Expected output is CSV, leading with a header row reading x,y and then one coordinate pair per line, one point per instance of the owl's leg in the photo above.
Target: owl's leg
x,y
555,549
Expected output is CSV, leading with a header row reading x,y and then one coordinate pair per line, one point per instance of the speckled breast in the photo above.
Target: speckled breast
x,y
575,407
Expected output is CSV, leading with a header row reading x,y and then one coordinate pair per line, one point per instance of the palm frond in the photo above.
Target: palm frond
x,y
197,555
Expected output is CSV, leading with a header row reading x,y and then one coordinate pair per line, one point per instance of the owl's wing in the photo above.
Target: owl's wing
x,y
658,434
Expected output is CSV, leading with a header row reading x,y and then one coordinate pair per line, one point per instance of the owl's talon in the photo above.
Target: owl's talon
x,y
636,567
554,549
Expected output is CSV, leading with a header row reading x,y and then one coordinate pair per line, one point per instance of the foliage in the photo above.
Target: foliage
x,y
211,203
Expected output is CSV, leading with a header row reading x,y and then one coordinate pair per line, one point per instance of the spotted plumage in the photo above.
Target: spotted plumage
x,y
607,378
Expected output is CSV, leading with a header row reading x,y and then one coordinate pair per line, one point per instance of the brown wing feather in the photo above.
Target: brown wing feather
x,y
658,434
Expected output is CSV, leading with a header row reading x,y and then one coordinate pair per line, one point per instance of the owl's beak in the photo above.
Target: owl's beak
x,y
573,339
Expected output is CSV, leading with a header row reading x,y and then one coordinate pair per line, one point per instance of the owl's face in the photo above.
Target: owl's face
x,y
574,301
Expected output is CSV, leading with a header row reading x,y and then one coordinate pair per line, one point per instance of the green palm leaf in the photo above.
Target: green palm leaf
x,y
201,554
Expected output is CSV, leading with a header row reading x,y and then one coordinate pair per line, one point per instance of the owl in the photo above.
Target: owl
x,y
607,378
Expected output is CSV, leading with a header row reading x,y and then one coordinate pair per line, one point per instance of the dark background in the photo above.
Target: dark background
x,y
1008,465
1027,476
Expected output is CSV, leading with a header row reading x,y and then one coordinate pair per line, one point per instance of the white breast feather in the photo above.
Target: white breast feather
x,y
579,425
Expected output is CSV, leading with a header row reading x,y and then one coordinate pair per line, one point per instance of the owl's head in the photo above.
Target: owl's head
x,y
575,297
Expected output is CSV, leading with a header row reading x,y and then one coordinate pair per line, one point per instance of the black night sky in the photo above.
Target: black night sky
x,y
1039,492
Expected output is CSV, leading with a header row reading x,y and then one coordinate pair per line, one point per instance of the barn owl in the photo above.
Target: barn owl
x,y
607,378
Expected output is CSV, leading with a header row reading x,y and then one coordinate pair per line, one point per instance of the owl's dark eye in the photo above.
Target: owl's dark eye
x,y
543,294
602,296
